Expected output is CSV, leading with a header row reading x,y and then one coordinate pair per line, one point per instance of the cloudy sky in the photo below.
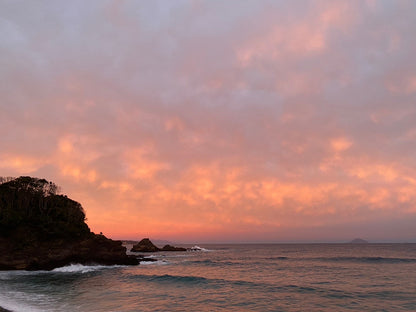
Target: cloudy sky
x,y
217,120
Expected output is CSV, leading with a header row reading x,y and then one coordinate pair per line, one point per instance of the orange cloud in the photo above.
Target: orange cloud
x,y
21,163
270,121
340,144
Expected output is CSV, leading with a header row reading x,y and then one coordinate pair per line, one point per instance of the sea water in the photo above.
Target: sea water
x,y
272,277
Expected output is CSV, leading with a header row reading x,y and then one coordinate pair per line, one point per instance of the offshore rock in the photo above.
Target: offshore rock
x,y
41,230
172,248
145,245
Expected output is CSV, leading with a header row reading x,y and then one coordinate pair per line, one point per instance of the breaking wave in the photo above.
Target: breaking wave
x,y
158,262
369,259
80,268
197,248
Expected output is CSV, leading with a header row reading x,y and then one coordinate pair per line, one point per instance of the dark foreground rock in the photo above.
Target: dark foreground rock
x,y
145,245
40,230
50,254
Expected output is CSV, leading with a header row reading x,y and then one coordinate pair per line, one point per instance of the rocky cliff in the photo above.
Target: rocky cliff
x,y
40,229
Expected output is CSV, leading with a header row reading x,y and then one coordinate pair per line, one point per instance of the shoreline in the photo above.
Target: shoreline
x,y
4,310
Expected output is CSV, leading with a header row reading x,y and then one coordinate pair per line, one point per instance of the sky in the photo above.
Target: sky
x,y
217,121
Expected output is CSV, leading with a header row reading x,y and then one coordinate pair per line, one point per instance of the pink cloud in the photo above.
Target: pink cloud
x,y
269,121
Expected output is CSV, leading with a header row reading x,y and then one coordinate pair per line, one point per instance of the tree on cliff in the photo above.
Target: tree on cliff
x,y
40,229
6,179
32,202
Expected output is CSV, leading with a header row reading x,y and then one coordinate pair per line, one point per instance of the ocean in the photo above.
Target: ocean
x,y
249,277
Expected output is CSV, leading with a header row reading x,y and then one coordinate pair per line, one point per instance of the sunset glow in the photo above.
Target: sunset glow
x,y
211,121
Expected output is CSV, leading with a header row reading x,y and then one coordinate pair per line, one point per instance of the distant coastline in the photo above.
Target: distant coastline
x,y
358,241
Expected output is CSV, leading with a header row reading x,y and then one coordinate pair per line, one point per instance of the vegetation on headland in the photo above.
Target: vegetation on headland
x,y
41,229
33,203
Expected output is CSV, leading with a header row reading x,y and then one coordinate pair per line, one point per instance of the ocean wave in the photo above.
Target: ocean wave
x,y
181,279
12,305
72,268
197,248
145,256
158,262
369,259
175,279
170,255
193,280
8,275
80,268
277,258
208,262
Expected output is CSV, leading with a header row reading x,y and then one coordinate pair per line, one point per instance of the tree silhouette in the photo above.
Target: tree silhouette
x,y
35,203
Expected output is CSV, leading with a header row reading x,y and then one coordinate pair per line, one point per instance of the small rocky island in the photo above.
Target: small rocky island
x,y
145,245
42,230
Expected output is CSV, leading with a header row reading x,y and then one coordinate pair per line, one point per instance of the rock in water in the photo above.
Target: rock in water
x,y
172,248
41,230
145,245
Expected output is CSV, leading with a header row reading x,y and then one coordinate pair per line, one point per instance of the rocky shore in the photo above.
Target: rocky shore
x,y
41,230
50,254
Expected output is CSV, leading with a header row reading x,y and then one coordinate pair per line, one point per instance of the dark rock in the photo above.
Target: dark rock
x,y
172,248
40,230
145,245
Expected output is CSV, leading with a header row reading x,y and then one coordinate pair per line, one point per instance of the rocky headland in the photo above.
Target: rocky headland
x,y
42,230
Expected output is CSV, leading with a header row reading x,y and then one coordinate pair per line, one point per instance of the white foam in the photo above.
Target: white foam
x,y
79,268
174,256
197,248
11,305
158,262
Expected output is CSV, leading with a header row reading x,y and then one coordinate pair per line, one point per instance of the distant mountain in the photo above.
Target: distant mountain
x,y
358,241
